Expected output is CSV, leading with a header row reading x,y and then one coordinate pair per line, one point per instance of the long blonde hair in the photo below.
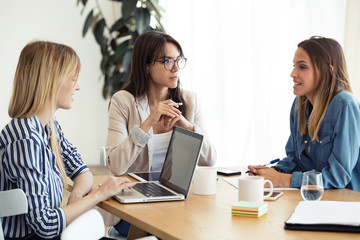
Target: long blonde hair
x,y
327,57
41,70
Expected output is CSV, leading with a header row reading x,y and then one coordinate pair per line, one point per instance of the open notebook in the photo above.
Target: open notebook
x,y
176,175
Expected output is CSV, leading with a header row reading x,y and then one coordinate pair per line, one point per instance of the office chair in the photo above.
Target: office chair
x,y
102,156
12,202
88,226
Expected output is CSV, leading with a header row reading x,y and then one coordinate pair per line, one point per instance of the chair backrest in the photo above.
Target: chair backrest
x,y
12,202
88,226
102,156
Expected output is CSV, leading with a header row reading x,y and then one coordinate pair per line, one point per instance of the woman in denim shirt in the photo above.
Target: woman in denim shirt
x,y
324,121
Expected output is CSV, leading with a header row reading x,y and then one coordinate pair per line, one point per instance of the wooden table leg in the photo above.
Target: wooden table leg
x,y
136,232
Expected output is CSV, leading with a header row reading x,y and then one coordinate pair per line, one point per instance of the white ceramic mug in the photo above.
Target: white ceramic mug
x,y
205,181
251,188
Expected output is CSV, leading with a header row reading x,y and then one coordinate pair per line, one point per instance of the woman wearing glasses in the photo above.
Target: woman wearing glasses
x,y
143,113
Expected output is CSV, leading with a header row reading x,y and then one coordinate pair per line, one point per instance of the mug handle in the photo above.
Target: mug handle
x,y
271,189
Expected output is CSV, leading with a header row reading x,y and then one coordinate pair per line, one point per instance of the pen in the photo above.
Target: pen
x,y
174,104
271,162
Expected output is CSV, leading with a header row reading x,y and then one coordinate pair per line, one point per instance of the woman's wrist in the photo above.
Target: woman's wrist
x,y
278,170
146,125
190,127
286,179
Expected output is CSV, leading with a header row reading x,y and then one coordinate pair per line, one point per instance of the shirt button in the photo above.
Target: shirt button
x,y
305,141
320,142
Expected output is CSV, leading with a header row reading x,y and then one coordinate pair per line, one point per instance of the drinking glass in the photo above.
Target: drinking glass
x,y
312,187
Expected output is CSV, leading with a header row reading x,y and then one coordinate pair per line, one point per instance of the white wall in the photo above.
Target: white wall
x,y
21,21
240,56
352,44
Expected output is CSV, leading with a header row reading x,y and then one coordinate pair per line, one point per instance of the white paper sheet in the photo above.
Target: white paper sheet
x,y
234,182
326,212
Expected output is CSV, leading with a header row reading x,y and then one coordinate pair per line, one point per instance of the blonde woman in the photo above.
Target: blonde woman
x,y
324,120
35,156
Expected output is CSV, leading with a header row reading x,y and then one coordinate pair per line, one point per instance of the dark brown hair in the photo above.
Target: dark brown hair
x,y
147,47
328,59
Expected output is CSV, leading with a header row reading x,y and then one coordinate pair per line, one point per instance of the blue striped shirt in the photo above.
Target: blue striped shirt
x,y
27,162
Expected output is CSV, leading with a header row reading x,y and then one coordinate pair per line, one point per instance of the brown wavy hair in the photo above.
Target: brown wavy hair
x,y
323,53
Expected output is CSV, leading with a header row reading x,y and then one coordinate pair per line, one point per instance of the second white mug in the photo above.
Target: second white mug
x,y
251,188
205,181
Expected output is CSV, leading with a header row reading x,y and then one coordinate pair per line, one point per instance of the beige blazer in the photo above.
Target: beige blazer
x,y
129,148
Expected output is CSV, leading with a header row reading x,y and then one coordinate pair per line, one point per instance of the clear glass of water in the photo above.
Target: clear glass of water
x,y
312,187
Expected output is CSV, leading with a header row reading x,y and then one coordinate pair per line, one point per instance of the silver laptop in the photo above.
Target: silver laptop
x,y
176,175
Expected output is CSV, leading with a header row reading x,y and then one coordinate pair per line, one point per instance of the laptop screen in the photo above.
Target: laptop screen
x,y
181,159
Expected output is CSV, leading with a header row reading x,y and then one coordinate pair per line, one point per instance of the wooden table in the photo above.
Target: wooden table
x,y
209,217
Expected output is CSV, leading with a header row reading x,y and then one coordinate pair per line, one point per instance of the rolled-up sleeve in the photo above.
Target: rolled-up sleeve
x,y
124,145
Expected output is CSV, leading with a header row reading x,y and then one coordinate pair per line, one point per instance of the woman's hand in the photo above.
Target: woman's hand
x,y
278,179
179,120
161,113
112,186
163,109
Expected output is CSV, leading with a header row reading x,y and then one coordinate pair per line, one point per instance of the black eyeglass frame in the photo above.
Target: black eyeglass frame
x,y
175,62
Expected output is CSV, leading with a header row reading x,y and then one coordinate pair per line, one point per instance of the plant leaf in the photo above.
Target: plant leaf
x,y
127,60
105,46
142,16
117,25
105,90
99,31
128,8
105,61
120,50
154,6
123,32
134,35
88,22
113,44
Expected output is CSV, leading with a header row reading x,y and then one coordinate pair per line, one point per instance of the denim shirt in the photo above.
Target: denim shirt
x,y
336,154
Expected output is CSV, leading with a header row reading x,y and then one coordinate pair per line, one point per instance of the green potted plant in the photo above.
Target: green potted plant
x,y
116,41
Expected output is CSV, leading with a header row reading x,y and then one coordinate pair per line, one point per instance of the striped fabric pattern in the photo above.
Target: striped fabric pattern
x,y
27,162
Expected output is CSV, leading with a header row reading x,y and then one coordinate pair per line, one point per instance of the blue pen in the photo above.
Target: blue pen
x,y
274,161
271,162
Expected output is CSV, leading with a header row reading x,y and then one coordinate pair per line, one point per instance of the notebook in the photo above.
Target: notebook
x,y
176,175
334,216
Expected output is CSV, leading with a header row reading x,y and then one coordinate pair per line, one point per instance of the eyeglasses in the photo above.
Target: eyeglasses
x,y
169,63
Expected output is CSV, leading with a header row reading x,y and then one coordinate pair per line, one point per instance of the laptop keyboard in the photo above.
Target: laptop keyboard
x,y
152,190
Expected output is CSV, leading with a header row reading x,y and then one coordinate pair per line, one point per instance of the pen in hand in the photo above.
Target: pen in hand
x,y
270,163
175,104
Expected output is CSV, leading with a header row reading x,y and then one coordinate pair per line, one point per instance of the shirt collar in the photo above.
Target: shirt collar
x,y
44,133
